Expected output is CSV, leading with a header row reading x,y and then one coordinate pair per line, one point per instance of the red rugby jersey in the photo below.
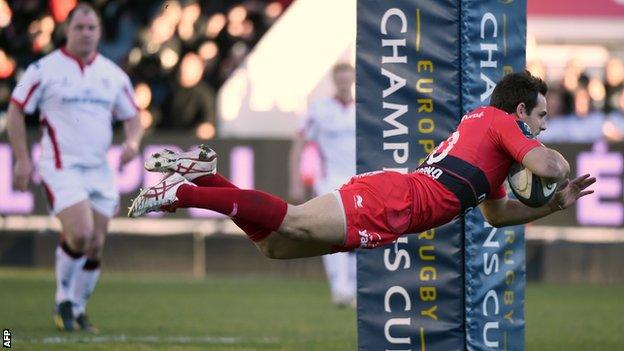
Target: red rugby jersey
x,y
468,167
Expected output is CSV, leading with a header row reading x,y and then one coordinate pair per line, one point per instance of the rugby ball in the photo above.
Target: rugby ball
x,y
530,189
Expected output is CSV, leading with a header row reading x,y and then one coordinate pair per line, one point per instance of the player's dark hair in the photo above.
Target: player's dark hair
x,y
516,88
84,7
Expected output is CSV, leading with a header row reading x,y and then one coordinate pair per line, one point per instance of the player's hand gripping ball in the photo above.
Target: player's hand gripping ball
x,y
530,189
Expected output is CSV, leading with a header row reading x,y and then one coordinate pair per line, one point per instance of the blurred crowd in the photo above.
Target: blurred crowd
x,y
177,52
584,105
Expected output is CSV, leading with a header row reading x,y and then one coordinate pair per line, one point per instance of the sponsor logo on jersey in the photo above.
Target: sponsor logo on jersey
x,y
431,171
367,174
473,115
369,240
69,100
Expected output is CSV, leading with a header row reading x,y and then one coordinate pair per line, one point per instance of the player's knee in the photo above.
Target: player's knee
x,y
77,243
96,249
79,237
269,251
97,242
296,223
266,248
270,248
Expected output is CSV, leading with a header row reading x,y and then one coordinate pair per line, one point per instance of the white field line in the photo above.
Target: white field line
x,y
147,339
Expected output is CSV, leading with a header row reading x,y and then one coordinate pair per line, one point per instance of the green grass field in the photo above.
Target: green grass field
x,y
149,312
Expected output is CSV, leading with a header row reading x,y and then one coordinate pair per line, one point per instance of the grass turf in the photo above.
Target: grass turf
x,y
149,312
574,317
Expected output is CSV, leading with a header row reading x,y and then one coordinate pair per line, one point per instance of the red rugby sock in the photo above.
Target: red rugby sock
x,y
256,212
218,181
214,180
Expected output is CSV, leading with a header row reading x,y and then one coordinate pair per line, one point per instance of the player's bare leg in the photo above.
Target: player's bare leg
x,y
311,229
77,224
88,275
306,230
77,227
100,229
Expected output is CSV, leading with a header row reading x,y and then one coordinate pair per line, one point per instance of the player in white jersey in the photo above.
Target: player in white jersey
x,y
78,94
330,124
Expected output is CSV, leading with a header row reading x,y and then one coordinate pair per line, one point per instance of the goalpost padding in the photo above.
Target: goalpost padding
x,y
493,38
410,294
418,69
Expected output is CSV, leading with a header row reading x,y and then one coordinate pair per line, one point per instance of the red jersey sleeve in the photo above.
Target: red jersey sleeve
x,y
513,135
499,193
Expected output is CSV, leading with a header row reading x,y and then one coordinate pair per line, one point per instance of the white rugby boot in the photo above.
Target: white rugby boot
x,y
159,197
190,164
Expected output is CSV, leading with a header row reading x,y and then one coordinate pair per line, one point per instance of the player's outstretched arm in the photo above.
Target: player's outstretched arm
x,y
504,212
548,163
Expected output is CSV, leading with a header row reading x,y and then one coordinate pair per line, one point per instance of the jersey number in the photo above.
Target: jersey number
x,y
443,149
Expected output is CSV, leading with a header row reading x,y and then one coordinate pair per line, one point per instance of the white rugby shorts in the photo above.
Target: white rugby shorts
x,y
69,185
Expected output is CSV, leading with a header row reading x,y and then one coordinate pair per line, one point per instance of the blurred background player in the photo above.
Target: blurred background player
x,y
330,125
78,94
